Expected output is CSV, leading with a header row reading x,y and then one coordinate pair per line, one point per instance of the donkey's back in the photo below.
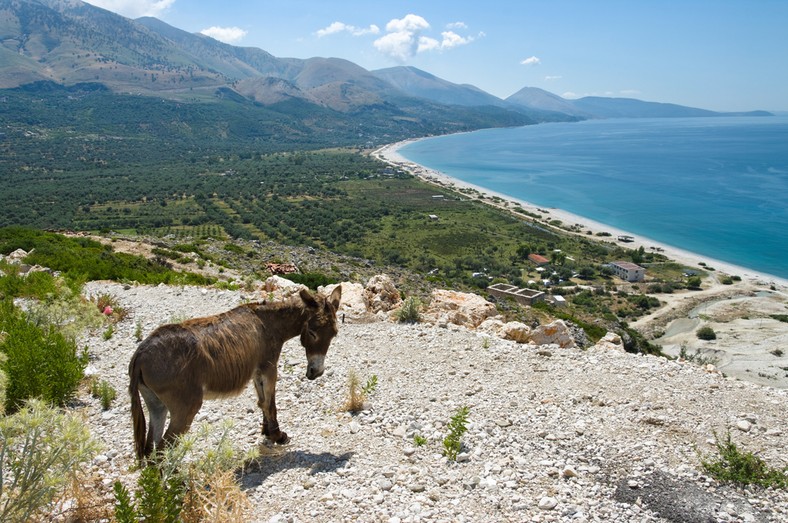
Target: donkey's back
x,y
217,354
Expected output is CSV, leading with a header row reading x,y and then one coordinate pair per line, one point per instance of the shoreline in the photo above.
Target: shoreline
x,y
390,154
751,341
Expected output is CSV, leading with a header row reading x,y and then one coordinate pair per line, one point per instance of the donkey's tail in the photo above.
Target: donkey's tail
x,y
137,414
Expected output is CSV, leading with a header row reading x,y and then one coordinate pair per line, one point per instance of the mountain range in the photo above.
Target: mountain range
x,y
69,42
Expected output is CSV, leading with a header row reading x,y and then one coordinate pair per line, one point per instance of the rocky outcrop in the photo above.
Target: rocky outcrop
x,y
610,341
459,308
278,288
512,330
554,333
380,294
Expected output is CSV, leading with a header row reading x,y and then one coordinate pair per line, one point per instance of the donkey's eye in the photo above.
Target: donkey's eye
x,y
312,334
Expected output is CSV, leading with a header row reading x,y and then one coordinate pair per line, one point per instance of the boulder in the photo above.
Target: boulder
x,y
554,333
277,288
516,331
459,308
380,294
17,256
512,330
610,341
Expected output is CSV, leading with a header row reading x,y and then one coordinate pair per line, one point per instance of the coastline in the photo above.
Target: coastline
x,y
751,341
391,155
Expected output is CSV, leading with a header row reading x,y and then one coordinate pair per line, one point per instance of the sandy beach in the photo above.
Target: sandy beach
x,y
752,344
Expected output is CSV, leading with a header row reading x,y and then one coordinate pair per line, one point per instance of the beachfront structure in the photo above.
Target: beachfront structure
x,y
538,259
628,271
521,296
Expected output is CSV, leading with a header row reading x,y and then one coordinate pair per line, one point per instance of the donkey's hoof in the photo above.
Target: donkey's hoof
x,y
282,439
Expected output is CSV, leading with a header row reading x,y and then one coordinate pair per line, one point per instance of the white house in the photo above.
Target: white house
x,y
628,271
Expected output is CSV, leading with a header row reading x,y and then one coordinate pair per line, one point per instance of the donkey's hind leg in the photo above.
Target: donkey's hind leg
x,y
157,412
182,409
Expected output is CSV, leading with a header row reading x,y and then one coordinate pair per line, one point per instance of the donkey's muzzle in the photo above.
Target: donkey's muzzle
x,y
314,368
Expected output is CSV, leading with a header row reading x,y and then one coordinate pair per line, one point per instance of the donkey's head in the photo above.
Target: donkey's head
x,y
319,329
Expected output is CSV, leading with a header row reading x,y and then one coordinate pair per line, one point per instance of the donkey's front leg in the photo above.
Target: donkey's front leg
x,y
265,384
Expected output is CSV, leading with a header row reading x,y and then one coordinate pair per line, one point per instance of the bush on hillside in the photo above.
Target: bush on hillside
x,y
41,450
40,362
313,280
706,333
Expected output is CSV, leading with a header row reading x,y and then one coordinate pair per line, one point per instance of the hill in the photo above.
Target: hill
x,y
551,432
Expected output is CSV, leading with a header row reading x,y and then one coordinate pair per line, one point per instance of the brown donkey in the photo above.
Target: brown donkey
x,y
180,365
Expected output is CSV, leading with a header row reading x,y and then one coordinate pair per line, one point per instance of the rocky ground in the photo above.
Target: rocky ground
x,y
553,434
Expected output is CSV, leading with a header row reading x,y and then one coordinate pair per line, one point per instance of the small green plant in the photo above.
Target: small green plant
x,y
696,357
410,311
371,385
138,330
706,333
41,451
109,306
104,391
741,468
486,343
419,440
355,398
458,425
109,332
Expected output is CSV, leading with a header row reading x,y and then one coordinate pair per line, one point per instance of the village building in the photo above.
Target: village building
x,y
521,296
628,271
538,259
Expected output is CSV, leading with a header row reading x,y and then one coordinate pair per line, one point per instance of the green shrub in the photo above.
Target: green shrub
x,y
41,452
410,311
83,259
104,391
40,362
706,333
742,468
177,489
458,425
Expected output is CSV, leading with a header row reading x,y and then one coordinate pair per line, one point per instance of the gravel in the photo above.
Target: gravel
x,y
553,434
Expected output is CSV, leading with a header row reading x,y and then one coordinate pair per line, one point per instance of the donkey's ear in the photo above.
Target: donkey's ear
x,y
335,297
309,300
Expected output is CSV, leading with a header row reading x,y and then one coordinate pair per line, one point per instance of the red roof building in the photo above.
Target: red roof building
x,y
538,259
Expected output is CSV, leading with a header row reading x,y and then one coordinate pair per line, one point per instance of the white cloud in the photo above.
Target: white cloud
x,y
549,78
340,27
457,25
531,61
404,38
570,95
228,35
452,39
134,8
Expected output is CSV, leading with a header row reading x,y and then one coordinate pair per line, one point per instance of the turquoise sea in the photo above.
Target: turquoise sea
x,y
713,186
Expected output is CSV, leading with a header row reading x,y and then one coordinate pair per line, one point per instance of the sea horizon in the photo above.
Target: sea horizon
x,y
713,187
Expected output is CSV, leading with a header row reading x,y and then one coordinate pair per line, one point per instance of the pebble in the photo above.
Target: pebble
x,y
743,425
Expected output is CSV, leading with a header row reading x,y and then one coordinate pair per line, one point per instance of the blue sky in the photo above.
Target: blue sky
x,y
715,54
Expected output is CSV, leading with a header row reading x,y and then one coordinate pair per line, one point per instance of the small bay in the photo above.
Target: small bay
x,y
716,186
